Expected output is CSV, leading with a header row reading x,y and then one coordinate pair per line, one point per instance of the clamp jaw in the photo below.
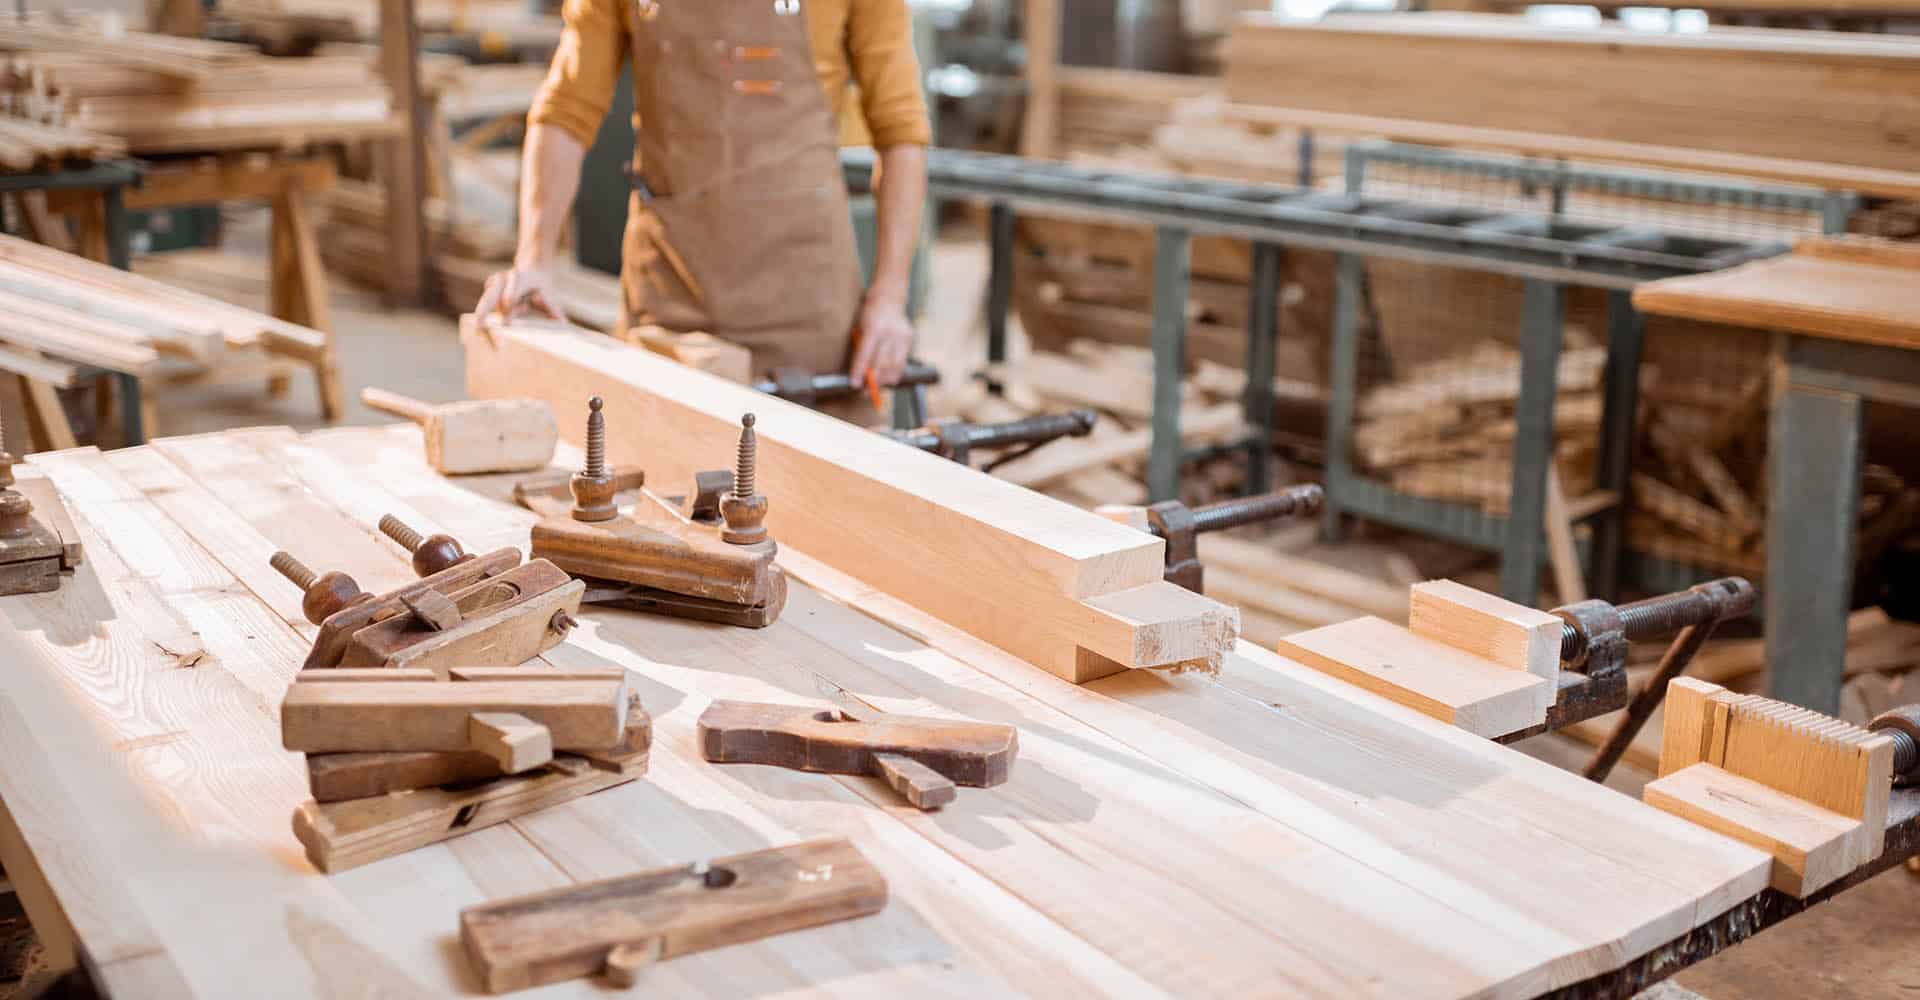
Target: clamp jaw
x,y
1181,525
1594,639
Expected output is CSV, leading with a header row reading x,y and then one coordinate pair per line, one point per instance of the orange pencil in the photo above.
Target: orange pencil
x,y
873,392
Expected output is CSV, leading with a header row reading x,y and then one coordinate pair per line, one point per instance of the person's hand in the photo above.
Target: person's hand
x,y
519,291
886,338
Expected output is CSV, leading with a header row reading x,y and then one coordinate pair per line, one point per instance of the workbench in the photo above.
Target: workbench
x,y
1265,831
1848,330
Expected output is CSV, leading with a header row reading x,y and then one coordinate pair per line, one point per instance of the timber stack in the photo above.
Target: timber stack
x,y
161,94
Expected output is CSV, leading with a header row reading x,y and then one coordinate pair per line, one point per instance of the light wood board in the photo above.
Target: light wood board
x,y
1273,831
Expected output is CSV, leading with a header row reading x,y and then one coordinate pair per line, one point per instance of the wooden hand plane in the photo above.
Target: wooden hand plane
x,y
488,610
922,758
710,560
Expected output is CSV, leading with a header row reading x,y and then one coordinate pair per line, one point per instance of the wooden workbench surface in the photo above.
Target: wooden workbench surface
x,y
1851,290
1269,832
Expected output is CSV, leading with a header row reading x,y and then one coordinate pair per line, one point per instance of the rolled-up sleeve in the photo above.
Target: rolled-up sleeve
x,y
586,67
880,49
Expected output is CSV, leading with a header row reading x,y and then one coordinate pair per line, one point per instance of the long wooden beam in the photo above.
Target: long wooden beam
x,y
1060,587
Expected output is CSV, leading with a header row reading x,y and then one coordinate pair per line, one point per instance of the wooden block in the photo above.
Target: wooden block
x,y
358,675
1491,628
922,786
431,715
975,754
515,742
1160,623
1013,568
1809,844
343,835
618,925
1451,685
1823,762
535,673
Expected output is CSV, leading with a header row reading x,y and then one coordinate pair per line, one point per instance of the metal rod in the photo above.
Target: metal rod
x,y
1294,501
1263,321
1044,427
1171,279
1676,659
835,385
999,278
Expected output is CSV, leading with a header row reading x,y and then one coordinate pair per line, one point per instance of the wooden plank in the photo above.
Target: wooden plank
x,y
405,155
1817,97
621,925
1476,694
1808,295
1444,812
194,743
208,182
1022,570
1039,127
1809,844
1512,635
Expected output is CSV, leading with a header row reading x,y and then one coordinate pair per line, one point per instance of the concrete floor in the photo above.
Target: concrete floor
x,y
1863,946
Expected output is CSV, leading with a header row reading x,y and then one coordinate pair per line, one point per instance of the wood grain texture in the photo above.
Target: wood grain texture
x,y
1276,829
1512,635
1442,681
667,912
1809,844
1017,568
1814,296
434,715
1816,97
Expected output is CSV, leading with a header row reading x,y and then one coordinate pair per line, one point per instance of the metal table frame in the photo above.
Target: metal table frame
x,y
109,178
1531,246
1814,459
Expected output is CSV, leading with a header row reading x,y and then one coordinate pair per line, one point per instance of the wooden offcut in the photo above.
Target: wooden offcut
x,y
1808,789
620,925
1474,693
1065,589
1492,628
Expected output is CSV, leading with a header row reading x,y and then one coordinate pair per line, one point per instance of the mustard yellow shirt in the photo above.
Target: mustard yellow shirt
x,y
862,52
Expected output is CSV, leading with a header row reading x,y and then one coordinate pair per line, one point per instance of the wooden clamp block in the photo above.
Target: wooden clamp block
x,y
333,711
1809,789
1486,665
618,926
1062,588
672,565
922,758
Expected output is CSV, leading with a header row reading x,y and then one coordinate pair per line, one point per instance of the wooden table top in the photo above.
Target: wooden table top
x,y
1855,291
1270,831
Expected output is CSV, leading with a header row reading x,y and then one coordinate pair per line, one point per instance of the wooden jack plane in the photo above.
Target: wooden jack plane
x,y
710,560
465,610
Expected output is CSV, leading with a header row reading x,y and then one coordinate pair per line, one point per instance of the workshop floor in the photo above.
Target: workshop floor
x,y
1863,946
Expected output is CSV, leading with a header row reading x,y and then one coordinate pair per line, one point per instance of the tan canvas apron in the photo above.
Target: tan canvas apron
x,y
736,149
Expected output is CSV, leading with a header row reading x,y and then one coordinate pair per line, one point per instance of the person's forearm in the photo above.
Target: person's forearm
x,y
898,197
550,174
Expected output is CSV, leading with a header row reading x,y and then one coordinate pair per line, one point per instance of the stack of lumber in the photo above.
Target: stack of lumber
x,y
1832,109
29,145
161,94
74,310
1445,431
1107,110
353,237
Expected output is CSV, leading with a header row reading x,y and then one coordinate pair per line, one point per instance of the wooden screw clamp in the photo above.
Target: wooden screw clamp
x,y
922,758
712,561
488,610
806,388
32,552
1181,526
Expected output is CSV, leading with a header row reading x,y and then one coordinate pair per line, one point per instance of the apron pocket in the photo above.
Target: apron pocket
x,y
779,262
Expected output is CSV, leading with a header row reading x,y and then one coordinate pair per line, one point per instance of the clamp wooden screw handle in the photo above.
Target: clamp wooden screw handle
x,y
432,553
325,593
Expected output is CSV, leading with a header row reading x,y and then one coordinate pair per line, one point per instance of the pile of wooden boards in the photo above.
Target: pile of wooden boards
x,y
30,145
1825,108
58,310
398,758
160,94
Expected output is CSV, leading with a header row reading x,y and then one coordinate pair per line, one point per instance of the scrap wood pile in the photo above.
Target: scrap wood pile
x,y
158,93
29,145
